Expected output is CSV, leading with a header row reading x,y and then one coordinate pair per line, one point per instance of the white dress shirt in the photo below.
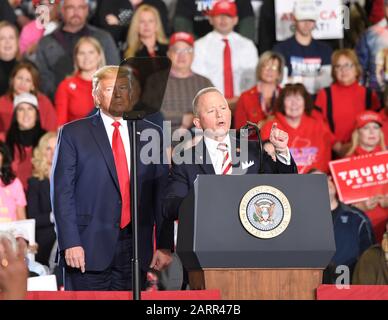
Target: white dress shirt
x,y
217,156
124,133
209,60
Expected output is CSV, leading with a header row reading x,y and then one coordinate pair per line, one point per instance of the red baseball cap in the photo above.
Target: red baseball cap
x,y
366,117
181,36
224,7
37,2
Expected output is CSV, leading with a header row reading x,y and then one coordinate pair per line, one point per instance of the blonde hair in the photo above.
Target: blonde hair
x,y
266,57
351,55
96,44
40,167
355,142
133,39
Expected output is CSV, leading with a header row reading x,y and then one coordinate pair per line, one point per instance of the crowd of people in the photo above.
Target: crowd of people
x,y
330,99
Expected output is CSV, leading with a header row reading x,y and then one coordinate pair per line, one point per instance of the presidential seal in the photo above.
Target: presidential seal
x,y
265,212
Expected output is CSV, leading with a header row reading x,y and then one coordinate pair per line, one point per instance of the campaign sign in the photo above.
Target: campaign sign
x,y
359,178
330,24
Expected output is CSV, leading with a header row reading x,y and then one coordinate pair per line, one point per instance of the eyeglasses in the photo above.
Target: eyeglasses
x,y
346,66
271,67
179,51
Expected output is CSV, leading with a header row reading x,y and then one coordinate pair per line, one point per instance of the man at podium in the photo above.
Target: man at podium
x,y
219,152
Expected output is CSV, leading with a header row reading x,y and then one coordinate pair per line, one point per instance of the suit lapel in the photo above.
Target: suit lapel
x,y
202,158
235,150
102,140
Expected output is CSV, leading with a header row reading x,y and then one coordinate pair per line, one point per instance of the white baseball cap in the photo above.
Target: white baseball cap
x,y
25,98
305,10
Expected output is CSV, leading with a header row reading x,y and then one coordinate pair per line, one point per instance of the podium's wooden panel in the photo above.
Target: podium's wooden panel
x,y
259,284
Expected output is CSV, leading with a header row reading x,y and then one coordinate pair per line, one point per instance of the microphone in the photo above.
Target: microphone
x,y
244,131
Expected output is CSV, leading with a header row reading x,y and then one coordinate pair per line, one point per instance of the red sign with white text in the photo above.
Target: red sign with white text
x,y
359,178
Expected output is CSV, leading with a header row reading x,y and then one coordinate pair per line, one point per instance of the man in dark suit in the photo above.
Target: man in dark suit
x,y
219,153
90,193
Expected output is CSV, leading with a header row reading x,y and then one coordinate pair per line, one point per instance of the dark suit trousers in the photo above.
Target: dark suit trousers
x,y
117,277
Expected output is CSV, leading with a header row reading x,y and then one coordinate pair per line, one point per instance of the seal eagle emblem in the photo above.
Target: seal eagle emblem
x,y
265,212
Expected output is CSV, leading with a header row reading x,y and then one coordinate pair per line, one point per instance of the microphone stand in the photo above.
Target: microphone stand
x,y
249,126
134,116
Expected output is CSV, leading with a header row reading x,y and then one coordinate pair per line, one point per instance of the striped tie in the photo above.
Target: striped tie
x,y
226,162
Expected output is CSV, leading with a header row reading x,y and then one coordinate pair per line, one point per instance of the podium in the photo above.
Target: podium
x,y
219,252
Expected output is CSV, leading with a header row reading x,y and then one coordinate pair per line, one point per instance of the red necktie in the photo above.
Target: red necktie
x,y
226,162
122,174
228,75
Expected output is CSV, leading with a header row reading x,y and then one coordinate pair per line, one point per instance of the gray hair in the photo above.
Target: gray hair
x,y
202,92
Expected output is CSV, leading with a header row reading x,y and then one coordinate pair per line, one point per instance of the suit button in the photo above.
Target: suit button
x,y
119,202
117,225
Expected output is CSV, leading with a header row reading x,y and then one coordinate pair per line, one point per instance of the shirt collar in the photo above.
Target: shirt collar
x,y
211,144
220,36
109,121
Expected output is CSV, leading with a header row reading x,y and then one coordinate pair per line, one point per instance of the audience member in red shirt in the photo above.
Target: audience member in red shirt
x,y
25,79
24,134
368,138
310,139
73,99
348,97
257,103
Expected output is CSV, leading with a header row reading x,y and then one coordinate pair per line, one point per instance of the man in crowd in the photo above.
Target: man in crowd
x,y
192,16
226,58
182,83
54,55
308,60
352,232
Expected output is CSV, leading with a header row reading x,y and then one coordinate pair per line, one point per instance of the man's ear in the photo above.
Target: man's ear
x,y
211,20
197,122
235,21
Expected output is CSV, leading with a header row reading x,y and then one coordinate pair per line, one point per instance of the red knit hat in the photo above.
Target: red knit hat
x,y
224,7
366,117
181,36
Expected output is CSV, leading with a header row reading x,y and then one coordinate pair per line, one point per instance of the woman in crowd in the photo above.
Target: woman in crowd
x,y
257,103
368,138
310,139
9,51
12,198
146,37
345,98
24,134
115,16
25,79
73,99
38,196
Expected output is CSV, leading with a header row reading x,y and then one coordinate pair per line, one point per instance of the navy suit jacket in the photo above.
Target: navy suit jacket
x,y
86,197
182,176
